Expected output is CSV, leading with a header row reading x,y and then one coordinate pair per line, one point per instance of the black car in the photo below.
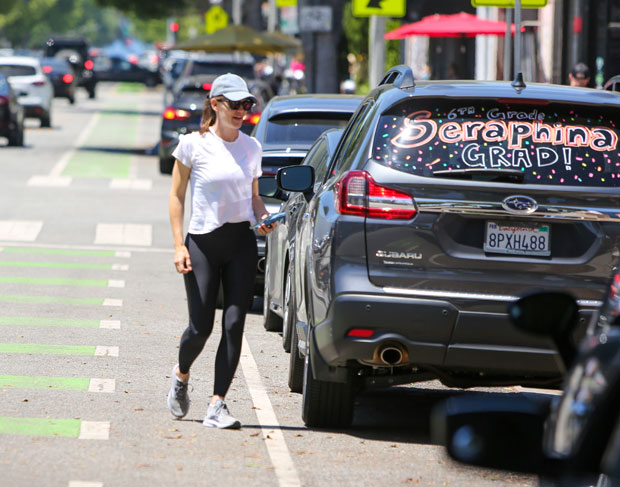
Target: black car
x,y
11,114
62,76
113,68
574,440
76,51
442,203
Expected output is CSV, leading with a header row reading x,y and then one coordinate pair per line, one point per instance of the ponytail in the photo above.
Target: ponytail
x,y
208,116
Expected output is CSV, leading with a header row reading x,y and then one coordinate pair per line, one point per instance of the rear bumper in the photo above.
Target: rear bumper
x,y
452,335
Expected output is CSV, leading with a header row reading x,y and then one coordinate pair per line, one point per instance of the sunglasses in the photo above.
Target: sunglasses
x,y
246,104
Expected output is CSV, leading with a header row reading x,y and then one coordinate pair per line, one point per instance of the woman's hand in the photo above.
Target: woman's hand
x,y
265,229
182,261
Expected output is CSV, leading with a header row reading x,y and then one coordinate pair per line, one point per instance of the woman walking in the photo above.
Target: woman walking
x,y
222,165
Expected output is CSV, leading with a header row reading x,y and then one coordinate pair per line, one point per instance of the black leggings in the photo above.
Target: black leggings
x,y
227,254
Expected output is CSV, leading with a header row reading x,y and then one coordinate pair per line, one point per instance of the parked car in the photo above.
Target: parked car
x,y
11,114
442,202
62,76
183,115
613,83
278,295
110,68
34,90
76,51
574,440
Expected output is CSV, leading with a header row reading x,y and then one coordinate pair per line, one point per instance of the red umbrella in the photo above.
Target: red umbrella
x,y
454,25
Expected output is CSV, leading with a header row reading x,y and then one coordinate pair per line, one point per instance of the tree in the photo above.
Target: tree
x,y
150,9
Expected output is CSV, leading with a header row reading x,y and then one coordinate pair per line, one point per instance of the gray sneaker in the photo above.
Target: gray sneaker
x,y
178,398
218,416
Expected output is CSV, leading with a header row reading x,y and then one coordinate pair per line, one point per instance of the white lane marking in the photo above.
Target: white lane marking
x,y
105,351
95,430
124,234
82,483
60,166
116,283
50,181
274,439
124,255
102,385
112,302
120,267
110,324
135,184
20,230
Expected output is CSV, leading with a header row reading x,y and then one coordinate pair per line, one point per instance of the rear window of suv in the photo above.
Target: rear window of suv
x,y
541,143
17,70
217,68
303,128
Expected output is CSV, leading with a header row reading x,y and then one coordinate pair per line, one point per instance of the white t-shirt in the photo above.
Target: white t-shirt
x,y
221,178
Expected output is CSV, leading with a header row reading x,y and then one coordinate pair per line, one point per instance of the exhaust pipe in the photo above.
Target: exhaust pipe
x,y
391,354
261,265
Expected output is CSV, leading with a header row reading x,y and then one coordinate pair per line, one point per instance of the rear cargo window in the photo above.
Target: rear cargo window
x,y
17,70
543,143
303,128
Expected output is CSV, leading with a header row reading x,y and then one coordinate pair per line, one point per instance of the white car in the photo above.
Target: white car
x,y
33,88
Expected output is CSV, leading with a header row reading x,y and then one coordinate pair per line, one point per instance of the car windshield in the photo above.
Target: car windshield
x,y
542,143
243,70
302,129
17,70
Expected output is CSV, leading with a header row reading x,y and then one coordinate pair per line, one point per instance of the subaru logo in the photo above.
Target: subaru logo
x,y
520,204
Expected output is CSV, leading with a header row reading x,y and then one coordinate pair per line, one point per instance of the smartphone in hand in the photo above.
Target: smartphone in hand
x,y
270,219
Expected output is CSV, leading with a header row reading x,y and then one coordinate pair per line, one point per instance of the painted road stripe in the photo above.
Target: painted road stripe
x,y
63,265
36,348
124,234
20,230
276,445
73,428
60,300
49,181
82,483
32,321
135,184
61,383
48,281
69,251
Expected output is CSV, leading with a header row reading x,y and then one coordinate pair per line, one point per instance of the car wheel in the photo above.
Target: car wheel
x,y
46,120
326,404
71,99
16,137
166,165
91,92
271,321
288,321
296,363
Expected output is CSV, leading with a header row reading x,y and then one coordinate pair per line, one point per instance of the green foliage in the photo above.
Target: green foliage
x,y
151,9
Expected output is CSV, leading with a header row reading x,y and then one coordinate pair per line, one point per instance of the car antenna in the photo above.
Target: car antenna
x,y
518,84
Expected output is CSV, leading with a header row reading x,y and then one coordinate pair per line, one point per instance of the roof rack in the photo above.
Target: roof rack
x,y
400,76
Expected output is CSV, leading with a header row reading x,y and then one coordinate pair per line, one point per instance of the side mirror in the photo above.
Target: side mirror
x,y
295,178
503,432
550,314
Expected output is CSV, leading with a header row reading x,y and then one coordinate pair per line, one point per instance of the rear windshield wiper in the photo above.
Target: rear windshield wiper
x,y
491,175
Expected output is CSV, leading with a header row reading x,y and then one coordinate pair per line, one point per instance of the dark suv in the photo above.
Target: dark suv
x,y
443,202
75,50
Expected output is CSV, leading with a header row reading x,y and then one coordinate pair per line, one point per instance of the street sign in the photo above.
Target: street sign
x,y
384,8
286,3
509,3
216,18
315,19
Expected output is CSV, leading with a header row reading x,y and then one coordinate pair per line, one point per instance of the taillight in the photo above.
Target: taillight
x,y
3,100
358,194
38,83
46,69
67,78
360,333
253,118
88,64
207,86
172,113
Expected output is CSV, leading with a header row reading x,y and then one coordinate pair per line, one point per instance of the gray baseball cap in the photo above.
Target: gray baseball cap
x,y
231,86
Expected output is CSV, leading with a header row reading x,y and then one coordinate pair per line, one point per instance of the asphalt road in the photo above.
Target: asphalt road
x,y
91,311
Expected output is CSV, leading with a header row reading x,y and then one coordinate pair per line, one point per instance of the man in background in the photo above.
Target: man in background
x,y
579,75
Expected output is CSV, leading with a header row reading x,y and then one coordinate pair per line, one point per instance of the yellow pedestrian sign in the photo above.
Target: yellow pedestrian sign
x,y
216,18
385,8
286,3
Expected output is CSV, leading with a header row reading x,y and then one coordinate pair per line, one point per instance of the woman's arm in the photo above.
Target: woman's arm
x,y
180,178
260,212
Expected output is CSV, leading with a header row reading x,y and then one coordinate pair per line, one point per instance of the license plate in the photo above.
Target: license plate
x,y
519,239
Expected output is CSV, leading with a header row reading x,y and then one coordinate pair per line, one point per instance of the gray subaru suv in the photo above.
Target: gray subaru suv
x,y
443,202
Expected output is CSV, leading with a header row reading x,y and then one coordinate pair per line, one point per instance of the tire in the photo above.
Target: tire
x,y
271,321
166,165
288,320
46,120
296,364
326,404
91,91
71,99
16,137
